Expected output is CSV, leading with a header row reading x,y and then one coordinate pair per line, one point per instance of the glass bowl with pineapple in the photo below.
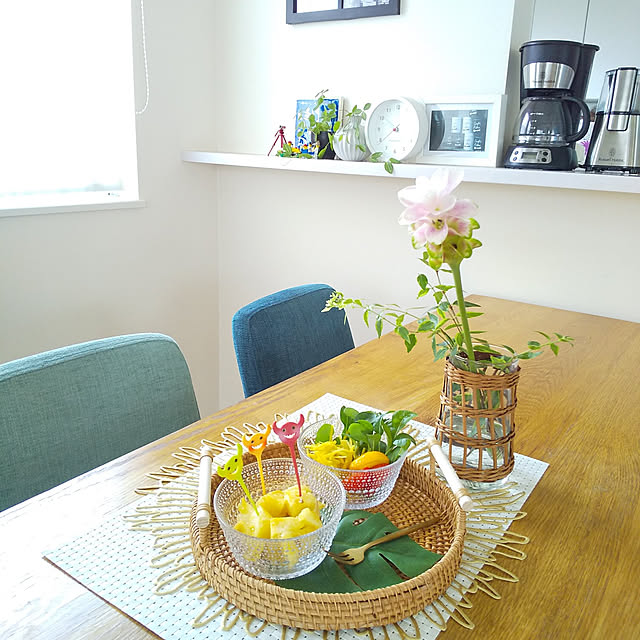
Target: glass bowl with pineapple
x,y
280,534
364,449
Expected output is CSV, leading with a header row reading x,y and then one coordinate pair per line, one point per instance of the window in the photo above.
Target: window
x,y
67,114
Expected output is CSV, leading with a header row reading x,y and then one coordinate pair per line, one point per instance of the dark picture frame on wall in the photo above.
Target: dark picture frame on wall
x,y
299,11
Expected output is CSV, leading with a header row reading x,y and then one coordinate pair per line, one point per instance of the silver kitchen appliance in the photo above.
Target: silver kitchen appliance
x,y
615,141
553,115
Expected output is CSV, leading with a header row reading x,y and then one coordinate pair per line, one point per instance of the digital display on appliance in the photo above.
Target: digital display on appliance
x,y
458,130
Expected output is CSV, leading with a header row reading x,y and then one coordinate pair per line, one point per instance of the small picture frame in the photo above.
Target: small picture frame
x,y
304,108
299,11
464,130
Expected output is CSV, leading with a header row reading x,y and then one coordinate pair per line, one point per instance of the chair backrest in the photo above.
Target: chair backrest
x,y
66,411
285,333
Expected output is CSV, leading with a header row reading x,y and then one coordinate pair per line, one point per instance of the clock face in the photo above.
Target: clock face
x,y
397,128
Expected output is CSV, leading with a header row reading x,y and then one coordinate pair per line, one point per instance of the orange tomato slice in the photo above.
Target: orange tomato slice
x,y
369,460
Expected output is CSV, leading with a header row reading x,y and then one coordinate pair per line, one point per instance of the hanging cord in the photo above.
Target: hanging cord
x,y
586,20
533,15
144,54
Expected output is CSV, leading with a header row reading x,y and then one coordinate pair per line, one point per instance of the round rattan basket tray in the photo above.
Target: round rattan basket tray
x,y
418,495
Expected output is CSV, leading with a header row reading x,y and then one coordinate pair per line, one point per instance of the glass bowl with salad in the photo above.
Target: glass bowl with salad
x,y
364,449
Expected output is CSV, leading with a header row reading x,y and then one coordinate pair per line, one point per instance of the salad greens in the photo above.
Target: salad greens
x,y
372,431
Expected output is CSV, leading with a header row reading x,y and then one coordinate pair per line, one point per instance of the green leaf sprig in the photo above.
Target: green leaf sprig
x,y
388,164
442,323
372,431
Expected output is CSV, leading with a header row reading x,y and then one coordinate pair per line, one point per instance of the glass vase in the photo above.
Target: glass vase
x,y
476,421
349,140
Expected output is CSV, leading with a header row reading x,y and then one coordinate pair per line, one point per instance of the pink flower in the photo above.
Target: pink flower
x,y
432,211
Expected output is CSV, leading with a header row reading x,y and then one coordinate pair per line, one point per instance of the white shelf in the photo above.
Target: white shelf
x,y
526,177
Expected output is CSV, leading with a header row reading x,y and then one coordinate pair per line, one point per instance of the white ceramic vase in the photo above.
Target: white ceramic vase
x,y
349,141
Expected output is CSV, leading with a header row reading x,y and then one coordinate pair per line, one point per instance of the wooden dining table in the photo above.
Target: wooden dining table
x,y
579,412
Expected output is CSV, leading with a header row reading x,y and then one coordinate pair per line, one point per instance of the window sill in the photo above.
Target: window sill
x,y
577,179
71,208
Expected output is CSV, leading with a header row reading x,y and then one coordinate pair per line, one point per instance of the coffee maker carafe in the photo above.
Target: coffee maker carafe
x,y
615,142
553,80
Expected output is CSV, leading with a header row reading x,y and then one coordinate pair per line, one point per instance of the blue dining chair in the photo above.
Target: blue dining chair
x,y
285,333
69,410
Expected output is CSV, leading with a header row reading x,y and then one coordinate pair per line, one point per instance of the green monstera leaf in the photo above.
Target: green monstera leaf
x,y
375,572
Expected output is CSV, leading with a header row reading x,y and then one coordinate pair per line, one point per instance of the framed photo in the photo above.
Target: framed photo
x,y
321,10
304,108
465,130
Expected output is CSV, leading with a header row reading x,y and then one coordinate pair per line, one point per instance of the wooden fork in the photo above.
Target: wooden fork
x,y
356,555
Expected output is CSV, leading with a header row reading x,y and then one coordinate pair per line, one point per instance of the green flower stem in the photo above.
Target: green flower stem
x,y
451,310
462,310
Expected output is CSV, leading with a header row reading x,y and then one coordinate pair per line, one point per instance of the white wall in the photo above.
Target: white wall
x,y
422,52
555,247
223,76
71,277
613,26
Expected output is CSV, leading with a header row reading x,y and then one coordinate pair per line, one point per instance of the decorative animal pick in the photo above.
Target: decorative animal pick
x,y
255,445
289,433
233,470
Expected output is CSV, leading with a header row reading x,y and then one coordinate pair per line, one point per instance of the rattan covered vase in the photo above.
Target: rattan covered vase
x,y
476,421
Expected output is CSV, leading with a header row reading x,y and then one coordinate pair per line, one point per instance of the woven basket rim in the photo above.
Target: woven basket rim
x,y
409,595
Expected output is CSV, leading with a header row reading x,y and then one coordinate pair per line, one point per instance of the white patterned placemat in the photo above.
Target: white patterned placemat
x,y
115,562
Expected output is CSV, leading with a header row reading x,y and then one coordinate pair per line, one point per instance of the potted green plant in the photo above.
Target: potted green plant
x,y
322,124
349,140
476,418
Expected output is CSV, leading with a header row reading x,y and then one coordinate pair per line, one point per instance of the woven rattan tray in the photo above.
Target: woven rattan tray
x,y
418,495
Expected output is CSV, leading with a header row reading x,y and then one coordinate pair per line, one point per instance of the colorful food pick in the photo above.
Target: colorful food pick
x,y
255,445
289,433
233,470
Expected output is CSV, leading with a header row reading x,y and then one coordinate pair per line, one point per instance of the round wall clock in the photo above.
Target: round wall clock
x,y
397,128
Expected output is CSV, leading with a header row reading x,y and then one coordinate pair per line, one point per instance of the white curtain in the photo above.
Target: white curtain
x,y
67,115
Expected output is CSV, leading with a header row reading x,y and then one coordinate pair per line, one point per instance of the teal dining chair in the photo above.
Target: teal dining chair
x,y
285,333
69,410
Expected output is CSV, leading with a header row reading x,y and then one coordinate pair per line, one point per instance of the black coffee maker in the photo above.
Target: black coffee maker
x,y
553,115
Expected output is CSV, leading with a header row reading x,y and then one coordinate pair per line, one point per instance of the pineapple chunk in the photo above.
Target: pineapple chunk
x,y
247,518
295,503
244,507
263,526
281,514
291,552
286,527
250,523
309,520
274,503
243,527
